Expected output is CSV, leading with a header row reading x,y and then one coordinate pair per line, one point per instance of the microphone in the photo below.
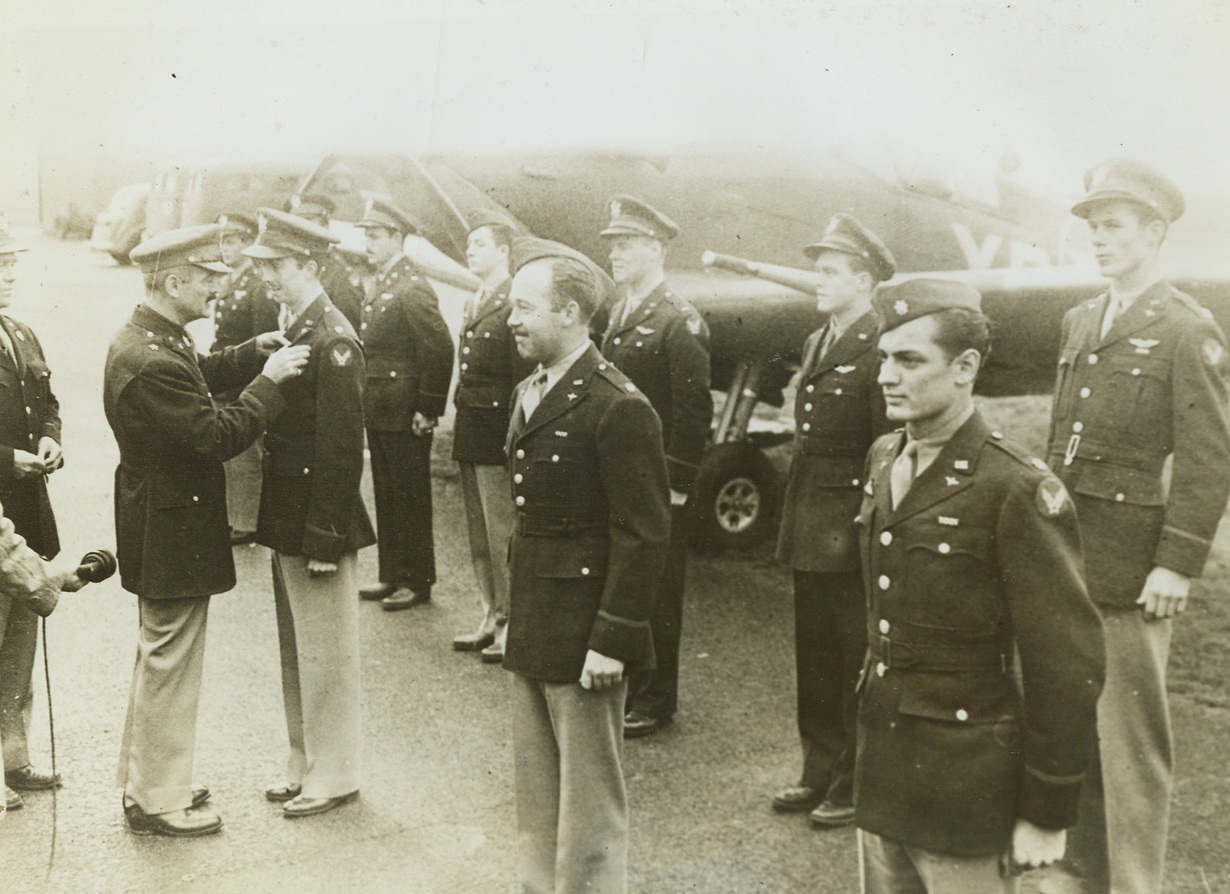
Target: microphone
x,y
96,565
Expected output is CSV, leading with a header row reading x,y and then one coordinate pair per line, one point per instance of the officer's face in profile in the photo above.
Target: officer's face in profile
x,y
921,384
285,278
191,289
840,287
382,244
1122,240
484,255
633,257
231,247
8,277
537,327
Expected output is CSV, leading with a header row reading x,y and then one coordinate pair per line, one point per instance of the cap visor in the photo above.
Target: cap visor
x,y
214,266
627,230
267,252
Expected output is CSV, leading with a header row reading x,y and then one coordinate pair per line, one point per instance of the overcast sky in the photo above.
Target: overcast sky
x,y
1064,84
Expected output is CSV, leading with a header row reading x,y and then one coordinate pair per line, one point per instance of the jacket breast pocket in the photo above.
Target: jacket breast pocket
x,y
1138,393
949,568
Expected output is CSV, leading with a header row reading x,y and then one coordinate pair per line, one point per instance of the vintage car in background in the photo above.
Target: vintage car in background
x,y
118,229
184,193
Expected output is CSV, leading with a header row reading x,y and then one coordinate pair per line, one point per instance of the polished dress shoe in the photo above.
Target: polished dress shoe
x,y
280,794
638,725
376,592
831,816
301,806
797,798
28,779
12,799
493,654
176,824
472,642
405,598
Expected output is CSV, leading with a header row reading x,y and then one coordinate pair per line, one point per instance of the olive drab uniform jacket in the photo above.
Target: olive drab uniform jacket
x,y
489,369
980,561
408,347
839,412
663,346
246,312
172,536
1140,434
310,502
593,522
28,411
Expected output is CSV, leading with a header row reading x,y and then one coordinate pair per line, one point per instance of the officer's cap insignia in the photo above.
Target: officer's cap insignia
x,y
262,224
617,208
901,307
340,356
1052,497
949,521
961,465
1097,176
834,222
950,481
1212,351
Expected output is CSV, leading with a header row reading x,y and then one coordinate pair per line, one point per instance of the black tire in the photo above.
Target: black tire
x,y
736,499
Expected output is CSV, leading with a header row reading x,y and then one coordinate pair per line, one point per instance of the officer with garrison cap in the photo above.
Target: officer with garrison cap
x,y
1141,438
839,412
661,343
985,654
409,366
170,507
313,519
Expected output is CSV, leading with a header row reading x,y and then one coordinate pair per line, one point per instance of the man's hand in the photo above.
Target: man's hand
x,y
286,363
1034,847
423,425
51,454
268,342
317,567
27,465
67,579
1164,594
601,672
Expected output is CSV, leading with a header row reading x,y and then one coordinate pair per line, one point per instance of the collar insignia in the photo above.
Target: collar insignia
x,y
901,307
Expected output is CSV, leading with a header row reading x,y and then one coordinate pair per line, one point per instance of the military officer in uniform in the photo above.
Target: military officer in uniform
x,y
839,412
29,452
409,367
489,368
591,493
342,274
242,311
1139,434
660,342
170,507
313,519
985,652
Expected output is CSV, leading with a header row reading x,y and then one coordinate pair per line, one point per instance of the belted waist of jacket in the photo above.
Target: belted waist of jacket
x,y
1079,447
550,526
984,655
846,444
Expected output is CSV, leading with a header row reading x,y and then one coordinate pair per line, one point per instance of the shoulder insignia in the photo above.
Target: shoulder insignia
x,y
949,521
1212,351
561,434
961,465
901,307
844,369
1052,497
645,330
951,481
341,355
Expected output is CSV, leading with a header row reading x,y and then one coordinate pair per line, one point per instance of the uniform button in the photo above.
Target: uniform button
x,y
806,426
837,391
465,366
855,482
886,537
884,626
1093,359
1085,392
807,407
1078,427
584,571
363,325
811,388
195,498
617,340
884,581
520,454
392,374
28,411
307,471
518,478
469,334
881,668
1119,498
486,335
520,501
962,714
1136,371
555,457
944,549
466,349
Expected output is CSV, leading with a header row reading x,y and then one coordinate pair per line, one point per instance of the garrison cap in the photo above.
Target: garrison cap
x,y
1128,180
845,234
188,246
237,222
383,213
916,298
8,245
280,235
632,217
310,206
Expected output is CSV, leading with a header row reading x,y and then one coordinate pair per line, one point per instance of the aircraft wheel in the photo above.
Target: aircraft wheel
x,y
735,499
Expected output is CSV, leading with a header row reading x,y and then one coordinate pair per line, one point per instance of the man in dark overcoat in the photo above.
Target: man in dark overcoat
x,y
985,656
171,528
590,488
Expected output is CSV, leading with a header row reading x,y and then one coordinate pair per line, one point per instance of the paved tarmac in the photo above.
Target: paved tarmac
x,y
436,814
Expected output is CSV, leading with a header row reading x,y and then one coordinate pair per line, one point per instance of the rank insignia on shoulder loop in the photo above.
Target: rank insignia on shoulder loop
x,y
901,307
844,370
950,481
961,465
1052,497
949,521
1212,351
561,434
340,356
645,330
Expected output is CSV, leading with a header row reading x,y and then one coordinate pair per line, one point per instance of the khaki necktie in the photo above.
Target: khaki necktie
x,y
904,469
1114,310
533,395
830,338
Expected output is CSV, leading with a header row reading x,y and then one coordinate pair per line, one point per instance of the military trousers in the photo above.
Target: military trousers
x,y
892,867
489,520
318,635
401,482
243,487
18,645
159,744
657,692
572,807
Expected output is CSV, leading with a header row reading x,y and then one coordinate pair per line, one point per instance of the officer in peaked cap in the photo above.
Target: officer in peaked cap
x,y
197,246
839,412
409,367
314,207
343,270
953,605
281,235
659,341
1148,464
8,245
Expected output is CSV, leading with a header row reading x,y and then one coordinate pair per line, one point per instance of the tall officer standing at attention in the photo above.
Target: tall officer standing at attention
x,y
967,771
170,507
1139,433
29,452
660,342
839,412
409,367
490,368
313,519
590,488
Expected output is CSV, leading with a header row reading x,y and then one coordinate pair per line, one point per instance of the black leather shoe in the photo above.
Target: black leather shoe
x,y
176,824
200,796
405,598
797,798
280,794
376,592
493,654
12,799
638,725
302,806
28,779
831,816
473,642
